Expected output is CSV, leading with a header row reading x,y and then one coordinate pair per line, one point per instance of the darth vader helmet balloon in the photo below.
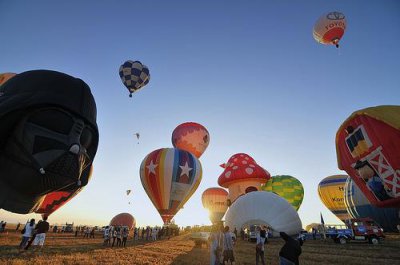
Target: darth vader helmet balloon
x,y
48,137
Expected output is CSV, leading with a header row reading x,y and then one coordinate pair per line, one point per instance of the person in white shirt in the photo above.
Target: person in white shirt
x,y
29,227
106,236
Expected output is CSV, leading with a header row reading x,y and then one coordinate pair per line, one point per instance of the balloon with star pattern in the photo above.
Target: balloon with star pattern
x,y
170,176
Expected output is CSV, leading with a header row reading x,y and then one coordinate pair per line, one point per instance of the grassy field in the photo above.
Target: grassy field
x,y
66,249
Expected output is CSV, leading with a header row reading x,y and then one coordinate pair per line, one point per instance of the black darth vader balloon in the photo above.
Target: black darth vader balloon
x,y
48,137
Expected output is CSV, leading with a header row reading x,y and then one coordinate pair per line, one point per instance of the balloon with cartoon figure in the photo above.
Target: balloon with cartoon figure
x,y
170,176
368,148
242,175
48,137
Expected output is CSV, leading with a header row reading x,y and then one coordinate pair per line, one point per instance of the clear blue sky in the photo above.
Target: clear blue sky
x,y
250,71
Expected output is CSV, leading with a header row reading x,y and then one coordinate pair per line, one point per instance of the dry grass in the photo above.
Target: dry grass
x,y
66,249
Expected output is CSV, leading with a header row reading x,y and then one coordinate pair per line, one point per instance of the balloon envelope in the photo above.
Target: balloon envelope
x,y
359,207
287,187
4,77
54,200
330,28
368,148
263,208
215,200
331,193
48,137
134,75
192,137
170,176
123,219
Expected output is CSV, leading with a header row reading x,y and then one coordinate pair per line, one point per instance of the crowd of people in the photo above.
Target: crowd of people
x,y
222,242
118,235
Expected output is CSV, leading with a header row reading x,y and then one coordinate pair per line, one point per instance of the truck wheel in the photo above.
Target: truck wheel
x,y
373,240
342,240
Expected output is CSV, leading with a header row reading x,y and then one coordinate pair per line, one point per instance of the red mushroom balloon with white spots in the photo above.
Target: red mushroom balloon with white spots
x,y
242,175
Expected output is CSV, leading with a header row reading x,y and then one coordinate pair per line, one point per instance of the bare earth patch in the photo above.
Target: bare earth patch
x,y
66,249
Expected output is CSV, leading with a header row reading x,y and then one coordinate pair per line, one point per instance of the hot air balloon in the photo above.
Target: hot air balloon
x,y
123,219
242,175
215,201
134,75
170,176
249,210
331,193
191,137
359,207
368,148
287,187
48,137
330,28
5,76
54,200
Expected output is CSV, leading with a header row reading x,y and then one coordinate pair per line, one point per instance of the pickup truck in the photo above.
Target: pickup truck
x,y
361,229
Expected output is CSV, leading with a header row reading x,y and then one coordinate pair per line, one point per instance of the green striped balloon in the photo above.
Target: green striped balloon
x,y
287,187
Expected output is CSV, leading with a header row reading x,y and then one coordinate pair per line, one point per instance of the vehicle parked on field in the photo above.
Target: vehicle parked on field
x,y
361,229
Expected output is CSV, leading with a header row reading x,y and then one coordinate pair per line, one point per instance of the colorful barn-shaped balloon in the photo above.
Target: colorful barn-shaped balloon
x,y
368,149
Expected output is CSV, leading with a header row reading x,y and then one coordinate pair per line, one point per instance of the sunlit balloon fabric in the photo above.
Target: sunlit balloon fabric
x,y
359,207
330,28
368,149
215,201
287,187
170,176
263,208
123,219
331,193
191,137
5,76
134,75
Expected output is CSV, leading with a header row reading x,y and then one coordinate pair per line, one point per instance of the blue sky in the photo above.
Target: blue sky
x,y
249,71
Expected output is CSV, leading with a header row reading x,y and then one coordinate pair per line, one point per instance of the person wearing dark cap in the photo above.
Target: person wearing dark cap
x,y
290,252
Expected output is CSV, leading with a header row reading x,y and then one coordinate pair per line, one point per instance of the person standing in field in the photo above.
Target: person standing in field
x,y
215,247
119,236
41,229
260,244
92,233
125,233
290,252
228,247
114,235
27,232
136,234
106,236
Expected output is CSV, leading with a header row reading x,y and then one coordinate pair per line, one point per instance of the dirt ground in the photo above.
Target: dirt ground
x,y
66,249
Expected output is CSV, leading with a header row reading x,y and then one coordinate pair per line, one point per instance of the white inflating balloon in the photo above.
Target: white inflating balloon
x,y
263,208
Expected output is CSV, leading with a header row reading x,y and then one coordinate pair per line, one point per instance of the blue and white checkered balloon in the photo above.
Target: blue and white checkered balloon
x,y
134,75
